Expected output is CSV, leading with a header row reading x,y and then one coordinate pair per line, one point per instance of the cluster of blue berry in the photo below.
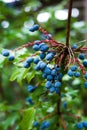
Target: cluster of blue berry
x,y
6,53
81,125
44,125
75,69
50,72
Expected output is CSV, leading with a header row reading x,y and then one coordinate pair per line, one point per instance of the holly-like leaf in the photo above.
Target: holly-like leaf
x,y
19,73
30,76
28,118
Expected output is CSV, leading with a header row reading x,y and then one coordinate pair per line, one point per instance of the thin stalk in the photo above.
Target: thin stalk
x,y
68,23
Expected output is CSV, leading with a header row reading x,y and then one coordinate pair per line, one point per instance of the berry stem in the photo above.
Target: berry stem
x,y
63,123
68,23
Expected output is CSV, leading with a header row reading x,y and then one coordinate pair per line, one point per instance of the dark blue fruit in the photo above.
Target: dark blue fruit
x,y
52,89
74,46
86,75
29,100
85,124
31,88
42,65
49,77
80,125
11,58
77,74
36,60
57,84
26,65
34,28
48,84
42,55
44,48
74,68
53,72
44,125
29,60
85,85
47,70
36,123
36,47
70,73
85,63
49,56
5,52
82,56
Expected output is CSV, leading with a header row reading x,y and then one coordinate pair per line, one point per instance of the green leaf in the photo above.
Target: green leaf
x,y
15,74
30,76
10,121
28,118
2,59
3,107
19,74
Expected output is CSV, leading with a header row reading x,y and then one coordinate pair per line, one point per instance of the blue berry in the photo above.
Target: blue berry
x,y
86,75
65,104
36,47
29,60
60,75
31,88
47,70
36,124
85,85
5,52
80,125
57,90
48,84
37,67
29,99
53,72
74,68
46,36
41,44
47,124
34,28
42,55
85,124
44,125
70,73
77,74
56,77
49,36
82,56
85,63
26,65
11,58
57,84
36,60
57,68
42,65
52,89
49,77
44,48
37,42
74,46
44,75
49,56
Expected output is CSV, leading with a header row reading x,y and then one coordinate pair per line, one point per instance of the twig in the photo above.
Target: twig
x,y
48,116
68,24
80,65
63,123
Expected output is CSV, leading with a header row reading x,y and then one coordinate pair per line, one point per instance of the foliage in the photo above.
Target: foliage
x,y
51,109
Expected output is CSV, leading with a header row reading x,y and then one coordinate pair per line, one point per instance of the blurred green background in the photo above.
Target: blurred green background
x,y
16,16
